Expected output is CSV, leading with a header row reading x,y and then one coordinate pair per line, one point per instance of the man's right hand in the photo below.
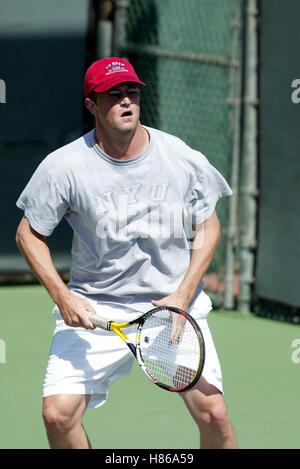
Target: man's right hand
x,y
74,310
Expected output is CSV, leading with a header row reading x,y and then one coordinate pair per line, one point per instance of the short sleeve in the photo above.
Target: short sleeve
x,y
43,204
209,187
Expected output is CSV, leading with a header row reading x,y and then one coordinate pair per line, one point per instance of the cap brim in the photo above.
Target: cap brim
x,y
116,81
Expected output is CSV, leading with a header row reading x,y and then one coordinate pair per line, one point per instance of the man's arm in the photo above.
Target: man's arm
x,y
204,246
34,248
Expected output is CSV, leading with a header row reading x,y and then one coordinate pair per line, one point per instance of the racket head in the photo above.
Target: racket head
x,y
170,348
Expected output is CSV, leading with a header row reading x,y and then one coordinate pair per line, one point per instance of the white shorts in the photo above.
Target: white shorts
x,y
87,362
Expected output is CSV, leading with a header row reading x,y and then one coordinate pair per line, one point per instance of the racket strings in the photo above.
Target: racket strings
x,y
170,349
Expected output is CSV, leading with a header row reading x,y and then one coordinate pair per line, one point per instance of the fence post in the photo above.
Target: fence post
x,y
119,32
104,29
248,191
234,103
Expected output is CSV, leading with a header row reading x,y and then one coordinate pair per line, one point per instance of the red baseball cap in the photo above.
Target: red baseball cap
x,y
106,73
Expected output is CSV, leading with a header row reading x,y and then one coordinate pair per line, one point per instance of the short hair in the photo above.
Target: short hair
x,y
93,96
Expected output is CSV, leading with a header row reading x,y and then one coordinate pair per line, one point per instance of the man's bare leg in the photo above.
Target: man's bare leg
x,y
62,415
207,407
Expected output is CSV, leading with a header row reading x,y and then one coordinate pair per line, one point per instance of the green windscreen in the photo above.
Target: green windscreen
x,y
277,265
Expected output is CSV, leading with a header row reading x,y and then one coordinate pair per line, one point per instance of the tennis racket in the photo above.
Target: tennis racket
x,y
169,346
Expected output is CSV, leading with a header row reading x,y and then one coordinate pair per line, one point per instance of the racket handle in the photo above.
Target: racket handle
x,y
98,321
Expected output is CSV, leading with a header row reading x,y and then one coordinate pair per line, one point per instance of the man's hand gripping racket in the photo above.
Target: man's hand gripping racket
x,y
169,346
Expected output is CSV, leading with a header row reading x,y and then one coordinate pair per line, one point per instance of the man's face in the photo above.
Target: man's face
x,y
119,107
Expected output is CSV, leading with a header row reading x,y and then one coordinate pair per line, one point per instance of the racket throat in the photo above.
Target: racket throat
x,y
116,329
132,348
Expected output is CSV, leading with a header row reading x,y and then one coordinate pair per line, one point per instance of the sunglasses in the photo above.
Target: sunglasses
x,y
131,93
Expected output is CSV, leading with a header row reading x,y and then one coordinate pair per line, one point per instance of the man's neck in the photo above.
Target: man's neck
x,y
123,146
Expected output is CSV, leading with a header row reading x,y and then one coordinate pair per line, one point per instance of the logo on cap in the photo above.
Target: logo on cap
x,y
115,67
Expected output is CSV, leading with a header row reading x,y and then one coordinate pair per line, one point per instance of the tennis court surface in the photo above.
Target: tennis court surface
x,y
261,383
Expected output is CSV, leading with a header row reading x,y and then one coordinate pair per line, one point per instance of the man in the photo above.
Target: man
x,y
130,194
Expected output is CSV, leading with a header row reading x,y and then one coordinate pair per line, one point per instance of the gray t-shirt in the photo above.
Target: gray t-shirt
x,y
131,219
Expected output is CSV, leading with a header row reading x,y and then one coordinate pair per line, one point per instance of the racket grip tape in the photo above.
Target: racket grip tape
x,y
98,321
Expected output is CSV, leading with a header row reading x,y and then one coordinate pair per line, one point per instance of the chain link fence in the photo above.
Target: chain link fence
x,y
188,53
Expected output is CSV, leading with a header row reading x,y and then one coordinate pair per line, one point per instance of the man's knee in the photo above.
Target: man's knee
x,y
220,420
60,418
57,419
216,418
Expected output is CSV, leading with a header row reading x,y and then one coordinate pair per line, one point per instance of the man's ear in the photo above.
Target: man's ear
x,y
91,106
